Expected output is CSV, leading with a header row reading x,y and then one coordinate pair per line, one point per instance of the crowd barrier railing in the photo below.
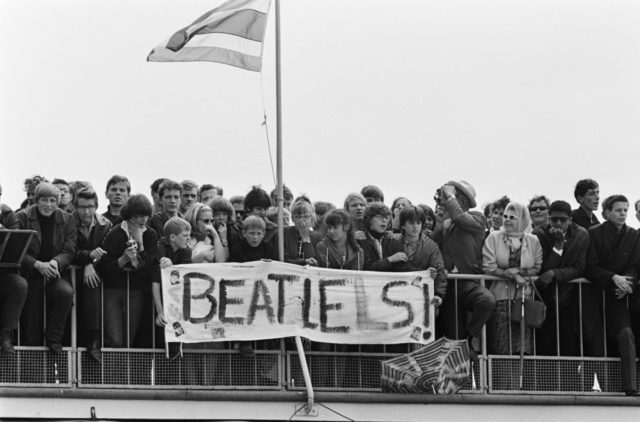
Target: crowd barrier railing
x,y
276,364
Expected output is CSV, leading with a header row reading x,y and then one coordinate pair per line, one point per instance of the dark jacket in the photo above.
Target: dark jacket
x,y
243,252
115,243
461,243
580,217
606,259
291,237
8,219
570,265
64,238
328,257
96,237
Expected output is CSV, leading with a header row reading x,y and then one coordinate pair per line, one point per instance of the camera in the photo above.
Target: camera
x,y
131,242
438,196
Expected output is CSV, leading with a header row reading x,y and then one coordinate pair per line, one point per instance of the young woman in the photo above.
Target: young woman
x,y
205,242
513,253
339,248
300,240
355,205
224,216
397,206
127,269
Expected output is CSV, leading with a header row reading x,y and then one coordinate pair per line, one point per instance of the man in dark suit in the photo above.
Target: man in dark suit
x,y
612,266
564,253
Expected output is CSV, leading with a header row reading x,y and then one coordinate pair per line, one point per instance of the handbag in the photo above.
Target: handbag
x,y
535,311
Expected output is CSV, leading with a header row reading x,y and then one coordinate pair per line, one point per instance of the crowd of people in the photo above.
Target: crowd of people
x,y
542,244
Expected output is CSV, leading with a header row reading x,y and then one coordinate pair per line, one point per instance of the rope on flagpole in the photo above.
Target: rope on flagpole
x,y
266,130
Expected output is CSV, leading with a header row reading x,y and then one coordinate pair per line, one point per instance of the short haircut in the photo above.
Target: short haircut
x,y
353,196
372,191
30,183
257,197
168,184
374,209
500,204
45,189
608,203
411,214
236,199
303,206
156,184
188,185
205,187
58,181
253,222
220,204
176,225
560,206
337,218
323,207
85,193
395,202
539,198
136,205
583,186
286,194
118,179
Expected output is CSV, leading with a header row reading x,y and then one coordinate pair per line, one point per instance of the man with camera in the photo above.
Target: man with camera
x,y
564,253
468,306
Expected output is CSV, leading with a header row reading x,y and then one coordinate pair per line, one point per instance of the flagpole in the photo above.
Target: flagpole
x,y
280,187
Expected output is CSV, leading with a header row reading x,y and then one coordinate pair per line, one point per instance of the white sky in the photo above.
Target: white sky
x,y
518,97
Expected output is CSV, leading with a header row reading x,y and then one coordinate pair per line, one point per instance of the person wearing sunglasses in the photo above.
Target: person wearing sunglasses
x,y
205,242
612,267
512,253
539,211
564,253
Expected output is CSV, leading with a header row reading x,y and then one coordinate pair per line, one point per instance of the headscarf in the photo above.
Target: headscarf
x,y
522,224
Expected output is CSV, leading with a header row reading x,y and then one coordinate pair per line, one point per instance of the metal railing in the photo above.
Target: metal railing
x,y
276,365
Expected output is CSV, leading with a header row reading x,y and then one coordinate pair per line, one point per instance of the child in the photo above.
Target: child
x,y
252,247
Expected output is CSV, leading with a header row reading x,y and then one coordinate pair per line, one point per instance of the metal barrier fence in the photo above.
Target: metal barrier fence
x,y
275,367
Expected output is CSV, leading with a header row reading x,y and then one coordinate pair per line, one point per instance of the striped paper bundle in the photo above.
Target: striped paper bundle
x,y
441,367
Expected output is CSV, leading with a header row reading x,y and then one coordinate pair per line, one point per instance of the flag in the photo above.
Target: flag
x,y
232,34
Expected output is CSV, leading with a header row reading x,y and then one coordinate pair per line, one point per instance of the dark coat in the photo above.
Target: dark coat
x,y
291,246
64,238
86,245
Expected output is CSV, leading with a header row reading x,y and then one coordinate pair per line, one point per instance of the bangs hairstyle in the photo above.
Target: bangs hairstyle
x,y
301,207
500,204
156,184
608,203
137,204
560,206
412,214
119,179
428,212
352,197
176,225
169,184
253,222
372,191
46,189
220,204
236,199
193,213
373,210
323,207
257,197
342,218
85,193
540,198
583,186
287,195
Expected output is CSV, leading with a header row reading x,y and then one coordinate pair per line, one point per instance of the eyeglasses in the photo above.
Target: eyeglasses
x,y
559,219
206,220
510,217
301,217
538,209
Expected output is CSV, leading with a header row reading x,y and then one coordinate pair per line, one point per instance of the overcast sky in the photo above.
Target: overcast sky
x,y
517,97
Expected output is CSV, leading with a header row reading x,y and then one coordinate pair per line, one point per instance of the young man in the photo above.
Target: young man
x,y
170,193
92,230
587,193
372,194
461,238
30,184
189,195
117,193
612,266
207,192
157,203
257,202
50,253
564,253
66,199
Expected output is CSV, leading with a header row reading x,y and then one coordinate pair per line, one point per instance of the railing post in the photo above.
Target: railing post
x,y
305,374
74,362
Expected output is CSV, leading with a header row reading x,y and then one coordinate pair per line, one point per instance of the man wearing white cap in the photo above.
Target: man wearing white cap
x,y
461,237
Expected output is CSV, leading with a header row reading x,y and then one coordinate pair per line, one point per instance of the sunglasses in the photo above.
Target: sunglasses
x,y
509,217
206,220
559,219
538,209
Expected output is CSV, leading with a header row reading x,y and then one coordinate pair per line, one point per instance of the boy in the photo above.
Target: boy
x,y
117,193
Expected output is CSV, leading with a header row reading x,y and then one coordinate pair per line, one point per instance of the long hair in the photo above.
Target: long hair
x,y
342,218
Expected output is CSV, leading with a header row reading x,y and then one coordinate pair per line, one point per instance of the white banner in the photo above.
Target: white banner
x,y
269,299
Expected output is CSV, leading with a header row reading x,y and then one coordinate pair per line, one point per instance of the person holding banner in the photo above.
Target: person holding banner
x,y
339,249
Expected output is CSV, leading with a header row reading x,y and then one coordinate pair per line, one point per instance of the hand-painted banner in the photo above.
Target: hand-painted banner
x,y
269,299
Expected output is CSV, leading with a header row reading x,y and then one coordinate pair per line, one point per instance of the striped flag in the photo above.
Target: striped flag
x,y
231,34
